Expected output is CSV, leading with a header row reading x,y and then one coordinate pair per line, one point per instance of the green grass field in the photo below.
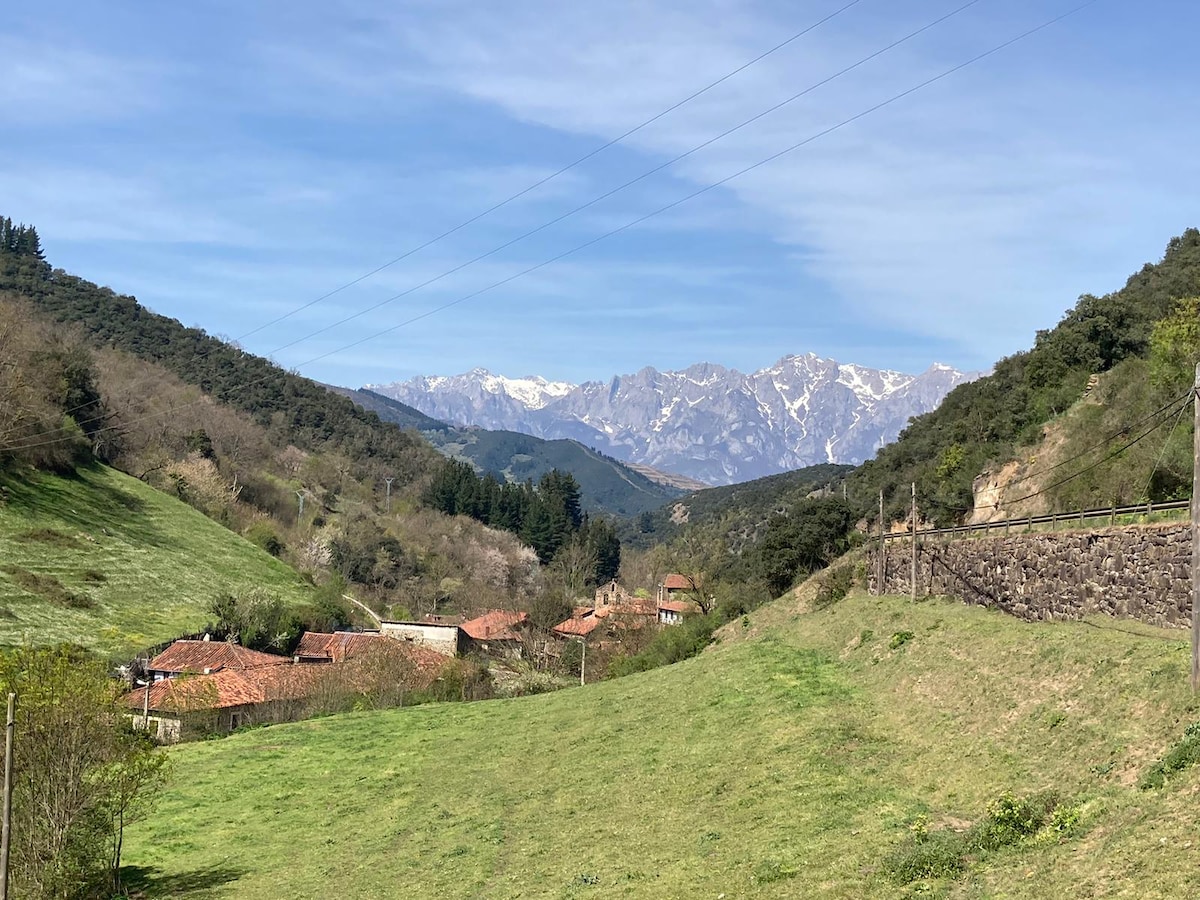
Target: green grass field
x,y
103,560
788,761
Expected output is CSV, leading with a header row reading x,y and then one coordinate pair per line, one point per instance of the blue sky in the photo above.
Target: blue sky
x,y
229,162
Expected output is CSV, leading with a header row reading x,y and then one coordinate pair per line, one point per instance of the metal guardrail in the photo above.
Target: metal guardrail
x,y
1064,519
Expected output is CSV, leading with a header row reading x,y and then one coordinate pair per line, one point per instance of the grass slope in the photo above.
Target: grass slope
x,y
103,560
786,762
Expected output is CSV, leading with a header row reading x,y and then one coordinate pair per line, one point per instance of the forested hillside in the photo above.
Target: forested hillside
x,y
987,421
293,410
88,376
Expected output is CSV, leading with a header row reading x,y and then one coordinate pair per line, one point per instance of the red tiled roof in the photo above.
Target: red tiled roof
x,y
336,646
577,626
226,688
678,583
211,656
679,606
496,625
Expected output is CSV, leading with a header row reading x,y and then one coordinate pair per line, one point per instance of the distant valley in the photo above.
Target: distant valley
x,y
706,422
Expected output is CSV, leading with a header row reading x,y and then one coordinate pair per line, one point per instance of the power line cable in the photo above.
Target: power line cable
x,y
562,171
1149,431
627,184
458,268
1166,441
672,205
1094,447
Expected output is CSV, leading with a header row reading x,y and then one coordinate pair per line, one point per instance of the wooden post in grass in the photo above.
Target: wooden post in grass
x,y
6,832
1196,533
914,541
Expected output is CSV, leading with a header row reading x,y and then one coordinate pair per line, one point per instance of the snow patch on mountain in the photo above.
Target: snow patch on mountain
x,y
710,423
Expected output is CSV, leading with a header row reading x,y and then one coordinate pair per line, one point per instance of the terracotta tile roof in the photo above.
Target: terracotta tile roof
x,y
336,646
578,626
213,656
496,625
679,606
226,688
678,583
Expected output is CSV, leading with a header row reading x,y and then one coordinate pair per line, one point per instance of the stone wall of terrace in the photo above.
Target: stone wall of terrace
x,y
1139,572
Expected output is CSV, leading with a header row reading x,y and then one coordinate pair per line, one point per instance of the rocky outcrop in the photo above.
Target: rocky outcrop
x,y
1138,572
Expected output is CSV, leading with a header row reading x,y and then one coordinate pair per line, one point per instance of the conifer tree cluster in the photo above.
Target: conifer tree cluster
x,y
20,240
547,516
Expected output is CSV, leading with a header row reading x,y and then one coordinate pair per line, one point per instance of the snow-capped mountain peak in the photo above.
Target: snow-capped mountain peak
x,y
708,422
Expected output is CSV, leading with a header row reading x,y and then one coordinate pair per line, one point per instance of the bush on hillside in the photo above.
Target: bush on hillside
x,y
671,645
1183,755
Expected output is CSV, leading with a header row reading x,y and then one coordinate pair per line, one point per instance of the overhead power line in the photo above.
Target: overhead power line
x,y
1162,414
621,187
672,205
562,171
521,193
611,192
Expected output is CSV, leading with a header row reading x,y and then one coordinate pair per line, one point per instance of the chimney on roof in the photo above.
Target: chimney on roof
x,y
207,637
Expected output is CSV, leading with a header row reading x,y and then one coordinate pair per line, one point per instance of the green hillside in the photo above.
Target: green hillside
x,y
605,484
797,758
742,510
985,421
103,560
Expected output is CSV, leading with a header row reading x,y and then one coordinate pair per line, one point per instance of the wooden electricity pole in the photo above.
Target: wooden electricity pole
x,y
1196,532
6,832
882,563
914,541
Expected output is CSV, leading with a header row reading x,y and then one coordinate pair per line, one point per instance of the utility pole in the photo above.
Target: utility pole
x,y
582,661
300,516
388,481
914,541
882,562
6,832
1196,533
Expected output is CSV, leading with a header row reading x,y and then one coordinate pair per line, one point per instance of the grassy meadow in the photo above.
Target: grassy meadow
x,y
791,760
103,560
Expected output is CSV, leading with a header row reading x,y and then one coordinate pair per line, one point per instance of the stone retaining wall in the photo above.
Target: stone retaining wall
x,y
1140,572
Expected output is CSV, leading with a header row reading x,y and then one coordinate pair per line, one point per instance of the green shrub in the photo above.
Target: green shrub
x,y
673,644
937,854
1182,756
263,534
1011,819
899,639
835,584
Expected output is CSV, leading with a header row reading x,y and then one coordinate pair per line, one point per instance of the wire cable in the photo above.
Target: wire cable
x,y
627,184
672,205
562,171
1166,441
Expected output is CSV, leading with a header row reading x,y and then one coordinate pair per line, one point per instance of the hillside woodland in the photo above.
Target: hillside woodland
x,y
1135,346
90,377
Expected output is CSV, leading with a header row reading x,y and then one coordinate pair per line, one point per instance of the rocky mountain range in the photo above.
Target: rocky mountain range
x,y
710,423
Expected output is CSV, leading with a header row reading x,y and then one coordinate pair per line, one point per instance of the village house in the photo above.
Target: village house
x,y
189,705
616,610
445,638
213,690
203,657
677,587
497,632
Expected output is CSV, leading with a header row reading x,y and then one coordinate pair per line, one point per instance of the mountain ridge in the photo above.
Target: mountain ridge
x,y
705,422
